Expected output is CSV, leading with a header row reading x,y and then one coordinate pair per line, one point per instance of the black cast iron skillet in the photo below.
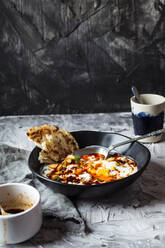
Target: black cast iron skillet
x,y
136,150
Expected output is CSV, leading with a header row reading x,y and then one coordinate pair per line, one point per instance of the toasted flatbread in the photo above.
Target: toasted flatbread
x,y
55,143
44,158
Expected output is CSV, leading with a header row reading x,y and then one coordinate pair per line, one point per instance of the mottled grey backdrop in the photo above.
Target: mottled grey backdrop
x,y
79,56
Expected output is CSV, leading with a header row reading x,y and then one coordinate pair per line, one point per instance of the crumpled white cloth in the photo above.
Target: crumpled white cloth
x,y
59,213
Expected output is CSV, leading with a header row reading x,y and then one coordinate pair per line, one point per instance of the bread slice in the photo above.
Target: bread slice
x,y
44,158
55,143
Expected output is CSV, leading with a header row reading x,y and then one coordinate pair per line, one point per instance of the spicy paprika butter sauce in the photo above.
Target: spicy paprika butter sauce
x,y
90,169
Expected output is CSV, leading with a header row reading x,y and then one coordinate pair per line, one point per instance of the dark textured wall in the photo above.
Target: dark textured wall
x,y
79,56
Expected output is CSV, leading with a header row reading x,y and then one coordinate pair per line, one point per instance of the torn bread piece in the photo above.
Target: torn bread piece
x,y
44,158
55,143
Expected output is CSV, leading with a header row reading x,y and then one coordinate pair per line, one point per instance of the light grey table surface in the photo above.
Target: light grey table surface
x,y
133,218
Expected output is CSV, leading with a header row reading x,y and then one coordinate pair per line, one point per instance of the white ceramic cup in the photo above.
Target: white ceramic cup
x,y
16,228
148,116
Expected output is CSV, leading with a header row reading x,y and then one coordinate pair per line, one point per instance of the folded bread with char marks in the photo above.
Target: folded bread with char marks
x,y
55,143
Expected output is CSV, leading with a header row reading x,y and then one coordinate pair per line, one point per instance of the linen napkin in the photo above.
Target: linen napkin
x,y
59,213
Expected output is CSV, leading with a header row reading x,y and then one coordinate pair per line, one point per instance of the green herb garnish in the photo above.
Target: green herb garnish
x,y
77,158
